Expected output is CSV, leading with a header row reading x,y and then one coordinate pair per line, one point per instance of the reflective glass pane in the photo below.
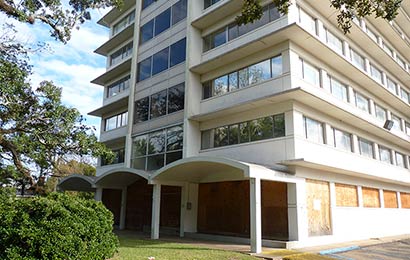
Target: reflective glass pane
x,y
159,104
141,110
155,162
276,66
310,74
338,90
147,31
243,78
405,95
139,146
362,102
160,61
385,155
261,128
279,125
163,21
400,160
207,90
176,97
172,157
174,138
178,52
233,81
111,123
366,147
179,11
313,130
220,85
376,73
221,136
233,134
342,140
139,163
259,72
244,136
391,85
397,122
381,113
233,32
357,59
218,38
274,14
156,142
144,69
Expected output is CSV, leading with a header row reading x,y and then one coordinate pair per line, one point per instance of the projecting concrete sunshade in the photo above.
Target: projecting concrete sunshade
x,y
211,169
120,177
77,182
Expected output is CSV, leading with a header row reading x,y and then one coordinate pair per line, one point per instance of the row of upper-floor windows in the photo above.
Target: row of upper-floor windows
x,y
244,132
314,131
233,31
153,150
163,21
118,87
162,60
336,43
121,54
123,23
159,104
312,75
244,77
116,121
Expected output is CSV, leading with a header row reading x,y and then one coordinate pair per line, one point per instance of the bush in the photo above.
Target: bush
x,y
58,226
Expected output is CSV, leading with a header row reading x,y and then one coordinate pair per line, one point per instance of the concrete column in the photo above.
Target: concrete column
x,y
123,211
367,65
191,212
256,216
323,79
381,197
350,95
156,205
355,144
360,196
332,191
346,50
328,132
393,157
98,194
384,79
183,210
297,215
398,200
372,107
376,152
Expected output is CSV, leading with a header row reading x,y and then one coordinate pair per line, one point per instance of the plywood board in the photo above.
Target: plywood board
x,y
112,200
318,206
405,200
346,195
170,212
390,199
139,205
371,198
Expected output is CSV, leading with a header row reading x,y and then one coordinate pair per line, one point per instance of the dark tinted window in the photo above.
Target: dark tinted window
x,y
147,31
160,61
261,128
279,125
141,110
159,104
208,3
156,142
176,96
174,138
221,136
146,3
178,52
163,21
179,11
144,69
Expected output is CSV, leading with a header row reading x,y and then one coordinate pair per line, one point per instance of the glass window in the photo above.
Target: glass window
x,y
218,38
334,42
118,87
207,90
405,95
310,73
274,14
118,157
400,160
388,49
338,89
342,140
376,73
391,85
381,113
155,162
276,66
144,69
146,3
172,157
141,110
220,85
313,130
156,142
110,123
385,155
366,147
162,21
139,146
159,104
244,135
221,136
174,138
233,81
371,34
178,52
176,97
279,125
147,31
160,61
123,23
307,21
206,139
396,123
208,3
261,128
121,54
357,59
401,62
362,102
407,125
259,72
233,32
116,121
243,78
233,134
179,11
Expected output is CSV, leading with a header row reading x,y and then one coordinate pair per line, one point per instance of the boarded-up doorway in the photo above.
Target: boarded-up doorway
x,y
139,206
112,200
318,205
170,212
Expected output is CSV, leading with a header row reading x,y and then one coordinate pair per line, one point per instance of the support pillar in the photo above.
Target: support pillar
x,y
98,194
256,219
123,211
183,210
156,206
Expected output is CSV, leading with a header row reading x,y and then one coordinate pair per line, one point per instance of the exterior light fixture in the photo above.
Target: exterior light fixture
x,y
388,124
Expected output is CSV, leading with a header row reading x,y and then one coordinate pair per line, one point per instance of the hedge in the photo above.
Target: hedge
x,y
58,226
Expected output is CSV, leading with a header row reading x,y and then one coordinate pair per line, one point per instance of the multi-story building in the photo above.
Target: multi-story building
x,y
282,131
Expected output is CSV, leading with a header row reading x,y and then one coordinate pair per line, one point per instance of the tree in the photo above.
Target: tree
x,y
347,10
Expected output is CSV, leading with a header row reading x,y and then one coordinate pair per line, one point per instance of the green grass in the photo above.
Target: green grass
x,y
135,248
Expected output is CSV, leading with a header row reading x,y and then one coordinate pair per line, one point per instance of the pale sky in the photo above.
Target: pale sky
x,y
71,66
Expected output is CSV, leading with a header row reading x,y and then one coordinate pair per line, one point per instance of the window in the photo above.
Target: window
x,y
208,3
162,60
161,103
310,73
362,102
391,85
342,140
118,87
388,49
121,54
313,130
407,125
244,77
156,149
400,160
405,95
366,148
121,25
371,197
334,42
381,113
376,73
401,62
307,21
357,59
385,155
371,34
254,130
396,123
163,21
116,121
338,89
146,3
232,31
119,155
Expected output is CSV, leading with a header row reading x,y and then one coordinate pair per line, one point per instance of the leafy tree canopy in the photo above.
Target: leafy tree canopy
x,y
348,9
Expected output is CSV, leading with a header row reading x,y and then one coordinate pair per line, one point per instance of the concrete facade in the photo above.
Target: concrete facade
x,y
290,100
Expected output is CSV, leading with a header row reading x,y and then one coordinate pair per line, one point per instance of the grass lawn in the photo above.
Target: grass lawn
x,y
135,248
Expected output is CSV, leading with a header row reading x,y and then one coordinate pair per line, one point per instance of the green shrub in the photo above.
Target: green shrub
x,y
58,226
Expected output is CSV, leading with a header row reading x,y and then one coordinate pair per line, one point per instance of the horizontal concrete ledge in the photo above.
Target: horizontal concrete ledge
x,y
240,240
